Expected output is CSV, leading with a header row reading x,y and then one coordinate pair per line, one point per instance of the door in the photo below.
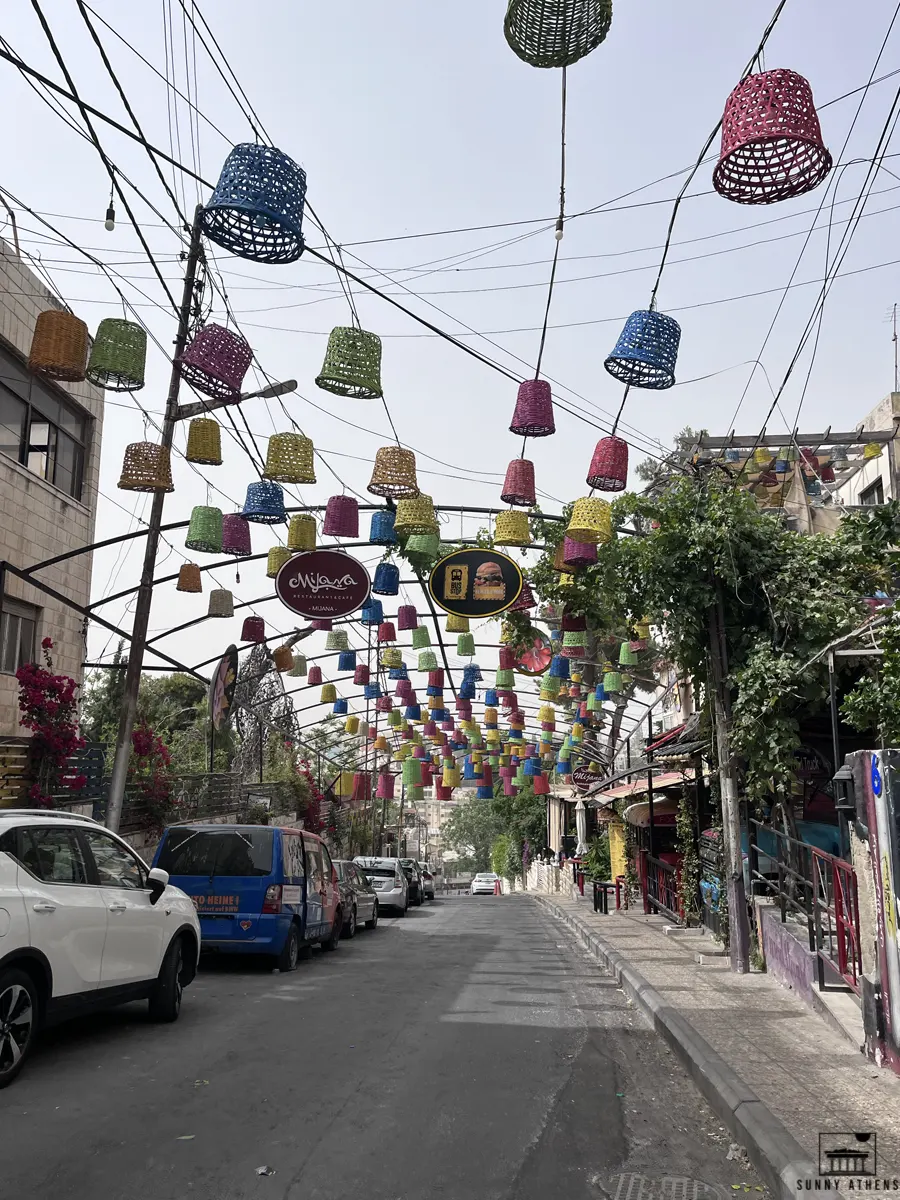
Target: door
x,y
315,888
365,895
67,916
136,928
332,890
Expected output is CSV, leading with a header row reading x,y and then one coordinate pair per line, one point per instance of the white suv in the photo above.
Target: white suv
x,y
84,924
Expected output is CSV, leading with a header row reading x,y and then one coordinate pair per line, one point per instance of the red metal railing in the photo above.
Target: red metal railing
x,y
836,903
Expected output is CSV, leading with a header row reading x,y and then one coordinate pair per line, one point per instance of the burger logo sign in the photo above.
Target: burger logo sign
x,y
323,583
475,583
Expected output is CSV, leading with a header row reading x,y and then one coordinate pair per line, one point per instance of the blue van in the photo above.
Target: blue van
x,y
257,889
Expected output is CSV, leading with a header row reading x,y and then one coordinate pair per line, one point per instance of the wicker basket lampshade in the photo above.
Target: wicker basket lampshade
x,y
118,356
827,474
421,638
609,466
146,467
189,579
645,354
275,560
290,459
465,645
533,415
283,658
387,632
236,536
872,450
512,529
772,146
221,603
627,656
394,473
381,529
590,521
341,517
372,612
427,660
415,514
387,579
361,674
518,487
391,656
253,630
59,346
314,677
298,670
422,549
256,210
302,532
216,362
340,708
328,695
264,503
578,554
456,623
556,33
407,617
204,442
351,725
526,599
352,364
205,530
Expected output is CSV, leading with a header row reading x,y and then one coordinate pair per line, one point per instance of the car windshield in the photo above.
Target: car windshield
x,y
244,852
379,872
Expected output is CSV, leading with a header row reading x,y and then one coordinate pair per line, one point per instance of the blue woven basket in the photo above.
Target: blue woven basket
x,y
490,698
413,712
372,613
398,672
340,708
387,579
256,211
646,351
559,667
372,691
467,690
381,530
264,503
347,660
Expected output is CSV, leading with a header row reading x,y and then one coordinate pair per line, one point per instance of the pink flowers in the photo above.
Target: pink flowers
x,y
48,708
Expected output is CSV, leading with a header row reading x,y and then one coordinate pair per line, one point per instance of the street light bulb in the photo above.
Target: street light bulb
x,y
110,223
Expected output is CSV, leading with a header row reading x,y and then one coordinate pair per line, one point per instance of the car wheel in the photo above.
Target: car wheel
x,y
290,953
18,1022
372,923
331,942
350,927
165,998
418,899
401,912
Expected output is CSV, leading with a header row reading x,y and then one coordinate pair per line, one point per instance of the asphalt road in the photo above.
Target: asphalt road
x,y
470,1051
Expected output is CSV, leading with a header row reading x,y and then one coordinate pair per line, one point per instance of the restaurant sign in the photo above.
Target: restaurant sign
x,y
323,583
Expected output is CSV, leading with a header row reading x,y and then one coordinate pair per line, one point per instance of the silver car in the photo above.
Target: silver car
x,y
389,881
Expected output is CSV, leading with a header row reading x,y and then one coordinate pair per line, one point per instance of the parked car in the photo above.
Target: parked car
x,y
414,878
86,924
427,882
483,883
257,889
358,899
388,880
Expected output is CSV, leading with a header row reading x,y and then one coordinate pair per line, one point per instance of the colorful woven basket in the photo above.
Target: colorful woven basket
x,y
189,579
590,521
415,514
298,670
204,442
146,467
256,210
341,517
456,624
421,638
59,346
253,630
422,549
556,33
221,603
264,503
394,473
277,557
205,530
337,640
387,579
236,536
609,466
512,529
315,676
578,554
518,488
381,529
533,416
290,459
302,532
407,617
118,356
216,362
352,364
283,658
465,644
646,352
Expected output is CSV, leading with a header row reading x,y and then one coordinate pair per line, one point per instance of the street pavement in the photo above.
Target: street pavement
x,y
469,1051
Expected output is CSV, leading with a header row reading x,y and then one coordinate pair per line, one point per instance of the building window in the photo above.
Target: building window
x,y
39,429
873,494
18,631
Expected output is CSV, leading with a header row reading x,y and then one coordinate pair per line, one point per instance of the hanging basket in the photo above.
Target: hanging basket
x,y
387,632
394,473
526,599
256,211
341,517
289,459
415,514
381,529
283,658
387,579
59,346
465,645
118,356
391,656
221,603
772,146
533,416
298,670
407,617
556,33
609,466
302,532
346,660
421,638
352,364
456,624
422,550
590,521
204,443
253,630
189,579
427,660
147,467
518,487
512,529
328,695
205,530
315,676
645,354
236,536
578,554
277,557
216,362
264,504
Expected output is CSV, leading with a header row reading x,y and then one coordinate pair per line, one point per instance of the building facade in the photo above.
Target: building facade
x,y
874,480
49,470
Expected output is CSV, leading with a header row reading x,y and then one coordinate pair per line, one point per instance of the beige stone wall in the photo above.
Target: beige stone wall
x,y
38,520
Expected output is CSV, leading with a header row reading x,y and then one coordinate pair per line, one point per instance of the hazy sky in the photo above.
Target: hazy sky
x,y
415,117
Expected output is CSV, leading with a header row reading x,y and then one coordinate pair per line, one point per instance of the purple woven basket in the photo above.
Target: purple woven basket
x,y
578,554
236,535
407,617
216,362
534,410
519,485
341,517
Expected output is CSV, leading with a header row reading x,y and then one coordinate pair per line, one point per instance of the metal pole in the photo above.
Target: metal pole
x,y
145,591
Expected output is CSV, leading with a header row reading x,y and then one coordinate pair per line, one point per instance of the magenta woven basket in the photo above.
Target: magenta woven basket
x,y
518,487
236,535
578,554
216,362
407,617
533,416
609,465
341,517
526,599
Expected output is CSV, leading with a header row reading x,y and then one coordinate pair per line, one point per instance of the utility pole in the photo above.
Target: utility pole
x,y
151,548
896,373
738,922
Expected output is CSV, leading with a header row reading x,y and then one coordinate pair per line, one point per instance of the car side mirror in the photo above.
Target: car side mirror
x,y
159,881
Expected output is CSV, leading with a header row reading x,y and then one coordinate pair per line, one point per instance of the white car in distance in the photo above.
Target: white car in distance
x,y
484,884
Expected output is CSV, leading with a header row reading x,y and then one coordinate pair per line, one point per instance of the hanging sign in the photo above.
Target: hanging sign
x,y
323,583
221,688
583,777
535,656
475,583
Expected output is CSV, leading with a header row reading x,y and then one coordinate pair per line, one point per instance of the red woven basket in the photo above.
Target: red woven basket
x,y
519,485
609,466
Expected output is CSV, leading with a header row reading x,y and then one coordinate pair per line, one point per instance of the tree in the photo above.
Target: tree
x,y
470,831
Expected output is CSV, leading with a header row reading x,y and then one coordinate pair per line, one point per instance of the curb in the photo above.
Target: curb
x,y
778,1157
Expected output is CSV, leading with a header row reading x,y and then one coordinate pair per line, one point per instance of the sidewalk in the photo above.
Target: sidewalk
x,y
773,1070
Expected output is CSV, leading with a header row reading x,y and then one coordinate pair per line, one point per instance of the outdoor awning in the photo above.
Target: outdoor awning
x,y
638,787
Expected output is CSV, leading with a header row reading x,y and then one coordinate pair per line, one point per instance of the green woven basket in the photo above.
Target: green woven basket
x,y
118,356
556,33
205,530
421,638
352,364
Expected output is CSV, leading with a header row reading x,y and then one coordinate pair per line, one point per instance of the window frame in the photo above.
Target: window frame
x,y
73,834
84,836
874,489
8,605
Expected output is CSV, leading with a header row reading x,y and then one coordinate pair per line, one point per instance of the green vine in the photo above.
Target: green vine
x,y
689,874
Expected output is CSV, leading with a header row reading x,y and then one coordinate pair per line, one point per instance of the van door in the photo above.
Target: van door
x,y
294,870
315,889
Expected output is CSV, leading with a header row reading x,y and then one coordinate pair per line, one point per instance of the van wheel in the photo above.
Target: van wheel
x,y
350,928
373,923
18,1022
331,943
165,997
290,953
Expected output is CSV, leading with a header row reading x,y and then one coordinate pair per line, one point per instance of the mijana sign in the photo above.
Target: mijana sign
x,y
323,583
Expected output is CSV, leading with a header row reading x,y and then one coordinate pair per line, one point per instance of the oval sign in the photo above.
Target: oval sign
x,y
535,656
221,688
323,583
475,583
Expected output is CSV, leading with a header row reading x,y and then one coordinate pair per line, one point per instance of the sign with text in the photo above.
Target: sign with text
x,y
583,777
323,583
475,583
